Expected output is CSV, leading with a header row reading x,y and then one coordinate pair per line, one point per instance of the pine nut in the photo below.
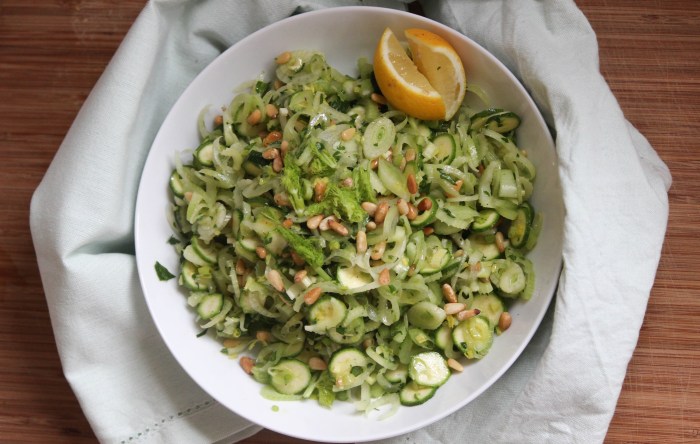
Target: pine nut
x,y
458,185
325,223
316,363
466,314
428,231
500,242
313,222
459,253
348,134
412,212
378,251
218,120
402,165
411,270
380,214
240,267
361,242
274,136
254,117
371,226
284,147
411,184
277,164
271,110
384,277
347,182
454,308
188,196
402,206
378,98
232,342
277,84
449,293
281,200
283,58
247,364
319,190
374,164
287,223
369,207
410,155
298,260
504,321
425,204
272,153
312,295
338,227
275,279
475,267
261,252
455,365
263,336
299,276
367,343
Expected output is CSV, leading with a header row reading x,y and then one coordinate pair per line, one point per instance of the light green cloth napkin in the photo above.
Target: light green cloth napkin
x,y
562,389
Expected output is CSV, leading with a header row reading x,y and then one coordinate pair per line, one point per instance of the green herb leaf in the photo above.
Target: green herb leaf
x,y
163,273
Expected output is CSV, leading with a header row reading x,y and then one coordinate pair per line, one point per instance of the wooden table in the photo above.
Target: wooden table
x,y
53,51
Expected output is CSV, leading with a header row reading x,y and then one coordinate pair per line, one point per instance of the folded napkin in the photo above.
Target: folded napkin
x,y
562,389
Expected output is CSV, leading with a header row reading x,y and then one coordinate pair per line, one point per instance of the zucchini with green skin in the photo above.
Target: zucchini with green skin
x,y
428,216
346,365
327,312
490,306
210,305
473,337
290,376
415,394
429,369
520,227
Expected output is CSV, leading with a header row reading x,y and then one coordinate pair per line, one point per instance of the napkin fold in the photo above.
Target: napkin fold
x,y
565,385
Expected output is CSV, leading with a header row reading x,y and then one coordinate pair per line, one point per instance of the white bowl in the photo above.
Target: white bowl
x,y
344,35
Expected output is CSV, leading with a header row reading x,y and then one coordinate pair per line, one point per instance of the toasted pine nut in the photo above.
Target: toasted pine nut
x,y
412,212
325,223
298,260
299,276
411,184
475,267
458,185
455,365
449,293
428,231
188,196
348,134
218,120
402,165
369,207
313,222
277,84
347,182
500,242
454,307
261,252
466,314
271,110
410,155
272,153
287,223
319,190
254,117
504,321
273,137
263,336
378,251
371,226
240,267
380,214
425,204
338,227
275,279
411,270
312,295
283,58
384,277
281,200
367,343
402,205
316,363
232,342
247,364
459,253
277,164
378,98
284,147
361,242
374,164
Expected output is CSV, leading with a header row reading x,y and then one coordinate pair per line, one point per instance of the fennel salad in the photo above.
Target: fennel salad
x,y
344,251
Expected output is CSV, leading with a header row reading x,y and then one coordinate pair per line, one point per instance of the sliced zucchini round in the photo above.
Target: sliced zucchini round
x,y
486,220
176,185
427,217
190,278
327,312
428,369
415,394
473,337
445,148
290,376
208,253
346,365
398,375
490,306
519,230
353,277
210,305
426,315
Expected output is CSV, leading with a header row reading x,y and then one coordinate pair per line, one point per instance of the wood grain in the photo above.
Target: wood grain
x,y
53,51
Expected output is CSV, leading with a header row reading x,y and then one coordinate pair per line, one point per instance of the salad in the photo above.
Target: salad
x,y
342,250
